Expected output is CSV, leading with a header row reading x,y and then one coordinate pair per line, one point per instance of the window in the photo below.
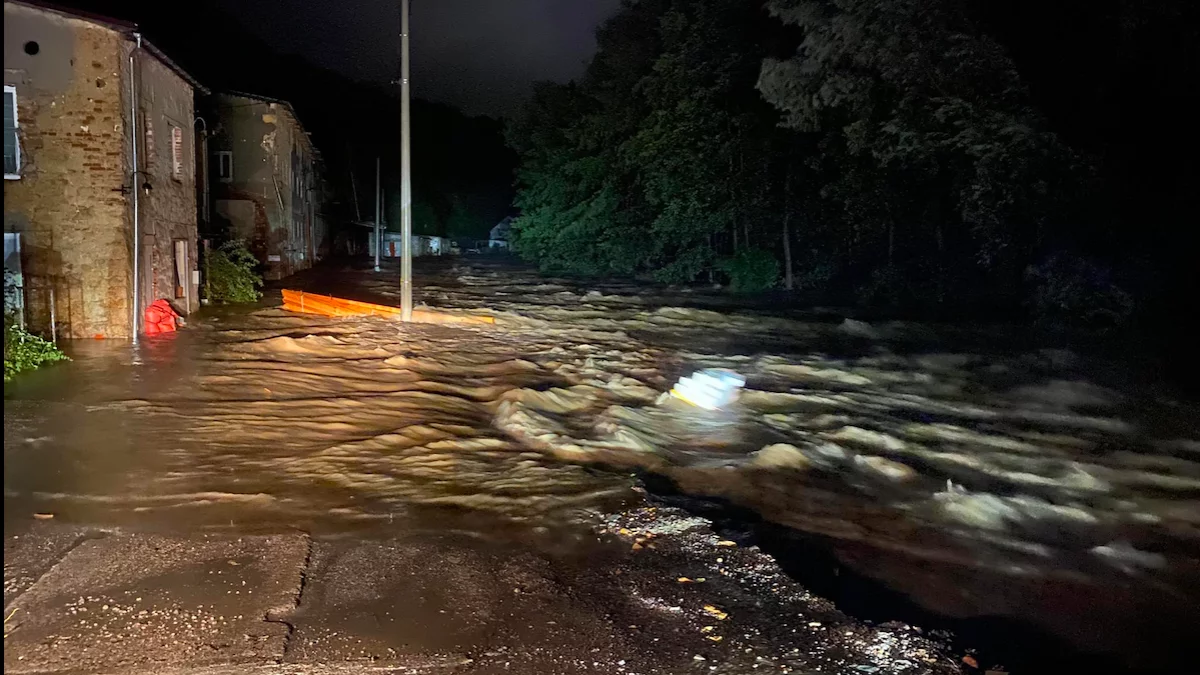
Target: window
x,y
225,166
12,147
176,152
149,124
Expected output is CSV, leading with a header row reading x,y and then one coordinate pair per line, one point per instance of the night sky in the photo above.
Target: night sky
x,y
480,55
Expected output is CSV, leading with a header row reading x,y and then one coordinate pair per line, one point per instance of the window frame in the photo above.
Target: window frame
x,y
12,89
221,155
176,150
180,266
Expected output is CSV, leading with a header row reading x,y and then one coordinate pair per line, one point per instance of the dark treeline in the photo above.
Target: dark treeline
x,y
888,152
462,175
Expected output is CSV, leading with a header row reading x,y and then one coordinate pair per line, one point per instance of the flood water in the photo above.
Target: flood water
x,y
960,468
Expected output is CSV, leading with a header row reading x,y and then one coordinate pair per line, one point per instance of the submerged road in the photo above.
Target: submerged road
x,y
300,494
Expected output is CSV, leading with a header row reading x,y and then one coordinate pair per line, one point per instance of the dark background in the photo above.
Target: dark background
x,y
1113,82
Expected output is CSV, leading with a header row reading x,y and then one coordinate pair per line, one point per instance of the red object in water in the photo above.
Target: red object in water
x,y
160,318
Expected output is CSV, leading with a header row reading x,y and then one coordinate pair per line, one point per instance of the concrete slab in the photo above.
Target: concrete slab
x,y
32,552
146,603
482,606
352,668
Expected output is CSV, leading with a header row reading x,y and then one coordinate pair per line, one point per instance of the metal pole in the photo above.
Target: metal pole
x,y
378,240
353,186
203,178
21,286
207,270
405,175
133,183
53,317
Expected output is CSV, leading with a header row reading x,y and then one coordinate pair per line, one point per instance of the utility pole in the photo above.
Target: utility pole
x,y
405,177
353,186
378,238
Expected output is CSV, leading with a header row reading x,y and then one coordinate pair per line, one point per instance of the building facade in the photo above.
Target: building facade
x,y
422,245
498,237
83,96
265,181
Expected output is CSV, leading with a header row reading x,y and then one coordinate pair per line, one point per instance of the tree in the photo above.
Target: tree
x,y
658,158
881,148
927,121
702,147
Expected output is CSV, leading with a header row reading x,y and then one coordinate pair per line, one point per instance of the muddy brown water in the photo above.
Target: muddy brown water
x,y
951,469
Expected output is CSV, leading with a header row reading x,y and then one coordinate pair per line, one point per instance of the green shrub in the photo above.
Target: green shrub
x,y
12,292
885,287
25,351
1069,289
905,286
232,274
814,272
751,270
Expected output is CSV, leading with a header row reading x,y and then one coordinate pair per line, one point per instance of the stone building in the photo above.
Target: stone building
x,y
265,181
94,224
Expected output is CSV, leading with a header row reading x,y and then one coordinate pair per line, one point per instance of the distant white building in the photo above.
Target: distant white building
x,y
499,236
393,242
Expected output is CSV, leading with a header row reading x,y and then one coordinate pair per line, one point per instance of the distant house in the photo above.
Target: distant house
x,y
393,243
499,236
265,181
86,165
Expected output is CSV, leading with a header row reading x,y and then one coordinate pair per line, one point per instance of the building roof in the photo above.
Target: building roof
x,y
277,101
500,230
126,28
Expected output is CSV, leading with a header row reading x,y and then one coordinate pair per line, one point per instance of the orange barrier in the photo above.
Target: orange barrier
x,y
325,305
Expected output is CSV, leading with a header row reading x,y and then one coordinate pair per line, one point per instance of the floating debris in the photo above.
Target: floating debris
x,y
711,388
713,611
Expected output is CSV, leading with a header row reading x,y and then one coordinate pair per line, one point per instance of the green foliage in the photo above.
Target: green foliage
x,y
12,291
887,286
751,270
233,275
897,145
465,222
1074,290
815,272
927,138
649,163
24,351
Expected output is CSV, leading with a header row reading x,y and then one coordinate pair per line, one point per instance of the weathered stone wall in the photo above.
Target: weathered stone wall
x,y
290,233
263,137
68,203
246,201
73,200
168,211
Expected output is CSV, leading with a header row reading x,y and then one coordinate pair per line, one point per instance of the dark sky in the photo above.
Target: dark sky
x,y
480,55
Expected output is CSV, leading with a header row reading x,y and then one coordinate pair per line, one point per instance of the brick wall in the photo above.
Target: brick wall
x,y
67,203
72,202
168,212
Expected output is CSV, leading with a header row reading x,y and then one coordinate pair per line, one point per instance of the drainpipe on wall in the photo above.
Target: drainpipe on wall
x,y
204,213
204,168
133,182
